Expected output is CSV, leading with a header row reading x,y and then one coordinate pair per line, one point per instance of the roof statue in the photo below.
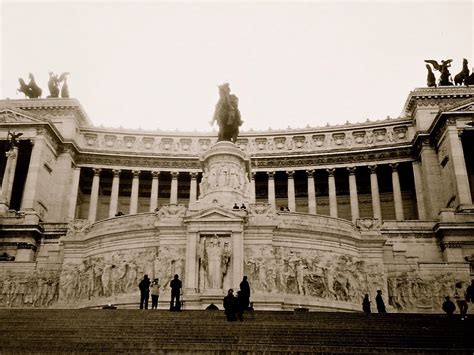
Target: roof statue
x,y
227,115
445,79
32,90
431,79
53,84
463,76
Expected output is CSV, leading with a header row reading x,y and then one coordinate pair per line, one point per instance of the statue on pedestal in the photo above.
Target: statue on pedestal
x,y
227,115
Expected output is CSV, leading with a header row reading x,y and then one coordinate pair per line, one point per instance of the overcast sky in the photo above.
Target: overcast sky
x,y
156,65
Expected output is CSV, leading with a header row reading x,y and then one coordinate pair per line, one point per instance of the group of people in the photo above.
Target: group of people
x,y
463,294
234,306
378,301
148,287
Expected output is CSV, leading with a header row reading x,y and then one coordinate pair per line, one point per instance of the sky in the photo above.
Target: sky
x,y
156,65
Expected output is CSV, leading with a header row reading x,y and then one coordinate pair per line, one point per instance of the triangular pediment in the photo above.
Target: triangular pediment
x,y
12,116
463,106
216,214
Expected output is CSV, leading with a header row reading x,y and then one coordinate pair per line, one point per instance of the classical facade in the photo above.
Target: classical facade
x,y
315,217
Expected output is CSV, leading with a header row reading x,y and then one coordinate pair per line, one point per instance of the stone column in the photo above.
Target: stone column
x,y
154,190
191,264
94,195
311,192
8,177
174,188
271,189
459,166
114,194
253,196
76,175
332,193
420,198
353,193
397,193
34,169
291,191
193,188
134,194
238,257
374,187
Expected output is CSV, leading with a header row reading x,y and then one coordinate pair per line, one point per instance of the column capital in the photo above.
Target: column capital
x,y
310,172
290,174
331,171
136,174
96,171
174,174
155,174
116,172
373,168
271,174
394,166
194,175
351,170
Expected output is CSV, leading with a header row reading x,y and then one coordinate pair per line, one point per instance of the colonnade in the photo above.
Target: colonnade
x,y
114,195
291,196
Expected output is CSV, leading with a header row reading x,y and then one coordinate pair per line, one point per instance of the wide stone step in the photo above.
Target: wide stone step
x,y
147,331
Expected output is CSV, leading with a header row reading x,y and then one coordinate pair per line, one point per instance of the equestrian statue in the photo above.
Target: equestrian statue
x,y
31,90
227,115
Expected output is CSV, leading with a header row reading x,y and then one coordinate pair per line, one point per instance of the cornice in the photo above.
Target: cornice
x,y
439,97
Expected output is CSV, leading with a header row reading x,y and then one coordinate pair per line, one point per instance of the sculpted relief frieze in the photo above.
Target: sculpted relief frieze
x,y
313,273
224,175
39,288
409,291
117,273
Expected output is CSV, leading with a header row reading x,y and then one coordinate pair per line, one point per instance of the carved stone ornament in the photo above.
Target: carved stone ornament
x,y
78,228
368,224
171,211
260,211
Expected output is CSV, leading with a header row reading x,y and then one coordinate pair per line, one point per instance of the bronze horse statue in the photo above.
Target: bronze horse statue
x,y
463,75
31,90
227,115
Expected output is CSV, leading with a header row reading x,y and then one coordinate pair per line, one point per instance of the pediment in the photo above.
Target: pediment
x,y
216,214
12,116
463,106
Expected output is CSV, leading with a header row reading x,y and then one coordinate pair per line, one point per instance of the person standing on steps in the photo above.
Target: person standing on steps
x,y
230,306
460,295
144,287
175,284
448,306
155,293
366,304
245,292
379,302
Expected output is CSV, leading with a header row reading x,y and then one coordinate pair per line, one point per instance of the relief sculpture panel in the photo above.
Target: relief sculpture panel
x,y
117,273
311,273
34,289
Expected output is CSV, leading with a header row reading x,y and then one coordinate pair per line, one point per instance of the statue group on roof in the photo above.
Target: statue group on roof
x,y
445,79
33,91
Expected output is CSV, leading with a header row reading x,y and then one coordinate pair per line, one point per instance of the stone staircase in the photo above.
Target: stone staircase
x,y
163,332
